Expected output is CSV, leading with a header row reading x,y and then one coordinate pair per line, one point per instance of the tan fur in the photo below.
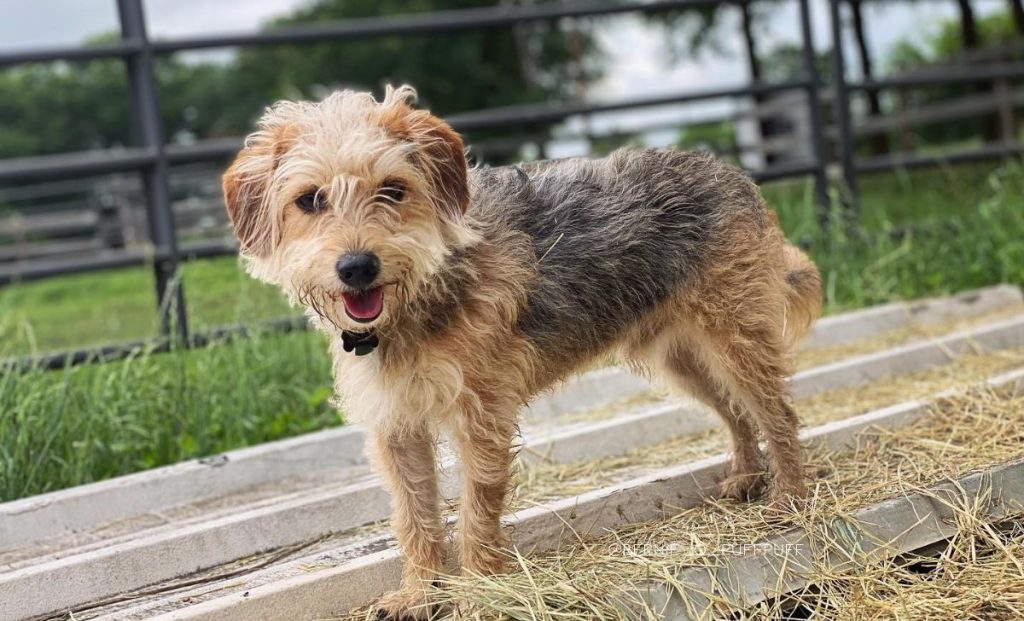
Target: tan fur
x,y
728,337
726,341
803,295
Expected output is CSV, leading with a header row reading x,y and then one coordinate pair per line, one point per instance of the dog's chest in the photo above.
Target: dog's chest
x,y
378,395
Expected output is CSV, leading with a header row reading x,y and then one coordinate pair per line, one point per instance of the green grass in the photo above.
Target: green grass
x,y
64,428
889,199
93,422
923,234
119,305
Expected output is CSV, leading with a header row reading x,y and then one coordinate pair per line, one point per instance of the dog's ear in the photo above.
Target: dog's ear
x,y
245,186
439,152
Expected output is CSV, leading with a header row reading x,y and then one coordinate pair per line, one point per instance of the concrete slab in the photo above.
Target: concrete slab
x,y
87,506
857,325
785,562
335,590
909,358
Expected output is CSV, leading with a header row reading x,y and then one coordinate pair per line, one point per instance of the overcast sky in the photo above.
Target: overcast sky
x,y
636,55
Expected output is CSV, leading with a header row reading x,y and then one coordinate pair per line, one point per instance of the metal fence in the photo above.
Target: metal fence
x,y
151,157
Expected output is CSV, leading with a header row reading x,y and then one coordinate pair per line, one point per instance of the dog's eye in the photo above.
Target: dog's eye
x,y
310,202
393,191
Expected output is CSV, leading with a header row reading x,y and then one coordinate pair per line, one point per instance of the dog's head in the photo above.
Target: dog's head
x,y
349,204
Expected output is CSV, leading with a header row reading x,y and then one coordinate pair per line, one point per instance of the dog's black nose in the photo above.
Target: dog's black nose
x,y
358,270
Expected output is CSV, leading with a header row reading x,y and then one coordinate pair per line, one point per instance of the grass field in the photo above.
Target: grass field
x,y
64,428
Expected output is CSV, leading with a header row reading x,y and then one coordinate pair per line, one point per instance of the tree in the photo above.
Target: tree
x,y
63,107
457,72
968,25
68,107
753,61
948,46
1017,10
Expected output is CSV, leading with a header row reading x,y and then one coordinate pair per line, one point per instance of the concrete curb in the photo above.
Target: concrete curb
x,y
86,506
339,589
910,358
856,325
883,530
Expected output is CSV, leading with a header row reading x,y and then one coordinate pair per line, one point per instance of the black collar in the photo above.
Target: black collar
x,y
361,343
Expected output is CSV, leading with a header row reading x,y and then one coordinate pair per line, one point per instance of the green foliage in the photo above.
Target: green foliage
x,y
993,29
603,145
943,46
923,233
719,137
697,30
71,107
946,43
457,72
64,428
786,62
63,107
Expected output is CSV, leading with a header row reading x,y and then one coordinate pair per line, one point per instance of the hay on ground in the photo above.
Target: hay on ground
x,y
914,331
546,482
589,580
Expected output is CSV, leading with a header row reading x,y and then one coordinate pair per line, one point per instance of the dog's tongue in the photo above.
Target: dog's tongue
x,y
364,304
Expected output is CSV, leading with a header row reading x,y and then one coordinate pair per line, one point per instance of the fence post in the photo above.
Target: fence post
x,y
146,118
841,110
814,110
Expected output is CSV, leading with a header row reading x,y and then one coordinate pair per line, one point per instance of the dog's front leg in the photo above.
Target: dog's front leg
x,y
484,440
405,460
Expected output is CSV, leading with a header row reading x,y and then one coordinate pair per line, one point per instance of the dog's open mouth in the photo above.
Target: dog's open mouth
x,y
364,306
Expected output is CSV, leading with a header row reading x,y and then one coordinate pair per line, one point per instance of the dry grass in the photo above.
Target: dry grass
x,y
961,371
978,574
914,331
591,580
545,482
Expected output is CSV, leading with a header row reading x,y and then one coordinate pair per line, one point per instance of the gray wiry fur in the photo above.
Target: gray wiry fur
x,y
612,237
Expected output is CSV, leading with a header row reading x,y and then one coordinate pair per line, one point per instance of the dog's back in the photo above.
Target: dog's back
x,y
615,237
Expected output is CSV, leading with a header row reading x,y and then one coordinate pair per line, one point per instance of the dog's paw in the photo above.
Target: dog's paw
x,y
742,487
787,500
405,605
486,559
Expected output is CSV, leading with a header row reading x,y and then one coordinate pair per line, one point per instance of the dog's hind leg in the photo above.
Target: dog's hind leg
x,y
406,462
752,367
682,369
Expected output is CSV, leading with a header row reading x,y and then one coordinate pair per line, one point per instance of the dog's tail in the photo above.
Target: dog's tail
x,y
803,295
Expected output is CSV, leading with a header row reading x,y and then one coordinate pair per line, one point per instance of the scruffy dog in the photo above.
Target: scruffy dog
x,y
452,296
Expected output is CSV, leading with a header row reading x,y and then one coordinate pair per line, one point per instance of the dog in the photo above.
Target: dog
x,y
452,296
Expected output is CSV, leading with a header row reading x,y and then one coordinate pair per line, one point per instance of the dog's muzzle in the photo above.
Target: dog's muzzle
x,y
363,302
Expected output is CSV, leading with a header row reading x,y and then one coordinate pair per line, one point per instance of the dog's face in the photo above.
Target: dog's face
x,y
350,204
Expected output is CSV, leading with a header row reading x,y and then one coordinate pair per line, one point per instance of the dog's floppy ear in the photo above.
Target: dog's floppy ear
x,y
245,186
440,152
